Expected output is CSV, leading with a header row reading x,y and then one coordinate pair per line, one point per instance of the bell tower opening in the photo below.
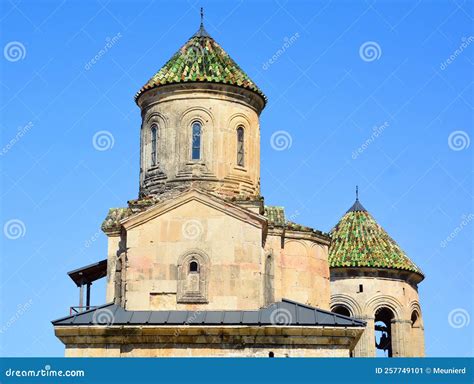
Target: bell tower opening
x,y
383,332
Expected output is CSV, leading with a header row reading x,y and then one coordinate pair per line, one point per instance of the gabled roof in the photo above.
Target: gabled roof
x,y
201,59
193,194
359,241
283,313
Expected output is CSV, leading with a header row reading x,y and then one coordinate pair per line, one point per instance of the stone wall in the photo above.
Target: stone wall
x,y
301,269
242,265
220,109
225,240
211,341
143,350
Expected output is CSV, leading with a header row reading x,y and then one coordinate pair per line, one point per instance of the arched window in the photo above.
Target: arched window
x,y
193,266
193,277
240,147
196,141
415,319
154,135
341,310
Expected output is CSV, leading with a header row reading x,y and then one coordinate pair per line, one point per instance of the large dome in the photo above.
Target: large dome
x,y
201,59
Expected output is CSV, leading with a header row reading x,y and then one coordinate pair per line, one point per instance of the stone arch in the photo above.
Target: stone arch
x,y
236,121
379,301
303,243
193,282
197,113
415,306
384,331
151,119
348,302
341,310
156,117
206,119
416,345
320,251
415,309
152,175
378,307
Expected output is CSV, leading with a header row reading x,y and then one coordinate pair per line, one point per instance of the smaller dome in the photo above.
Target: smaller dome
x,y
359,241
201,59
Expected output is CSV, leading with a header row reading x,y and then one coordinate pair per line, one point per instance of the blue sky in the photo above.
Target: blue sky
x,y
403,67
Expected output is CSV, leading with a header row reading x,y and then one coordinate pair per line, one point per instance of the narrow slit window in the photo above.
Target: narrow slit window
x,y
240,147
196,141
154,134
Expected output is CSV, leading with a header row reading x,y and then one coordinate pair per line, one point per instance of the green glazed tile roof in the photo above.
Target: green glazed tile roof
x,y
201,59
358,241
275,215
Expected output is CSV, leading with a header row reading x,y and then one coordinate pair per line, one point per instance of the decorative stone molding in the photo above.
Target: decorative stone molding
x,y
387,301
347,301
193,285
111,225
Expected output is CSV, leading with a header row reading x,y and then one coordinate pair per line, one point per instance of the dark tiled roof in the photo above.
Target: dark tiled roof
x,y
357,207
201,59
358,241
89,273
284,313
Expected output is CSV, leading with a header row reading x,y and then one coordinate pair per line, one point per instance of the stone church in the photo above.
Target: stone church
x,y
198,265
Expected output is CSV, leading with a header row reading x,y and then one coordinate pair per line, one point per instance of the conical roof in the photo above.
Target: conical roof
x,y
359,241
201,59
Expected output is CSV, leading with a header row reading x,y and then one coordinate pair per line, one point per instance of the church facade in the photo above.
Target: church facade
x,y
198,265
